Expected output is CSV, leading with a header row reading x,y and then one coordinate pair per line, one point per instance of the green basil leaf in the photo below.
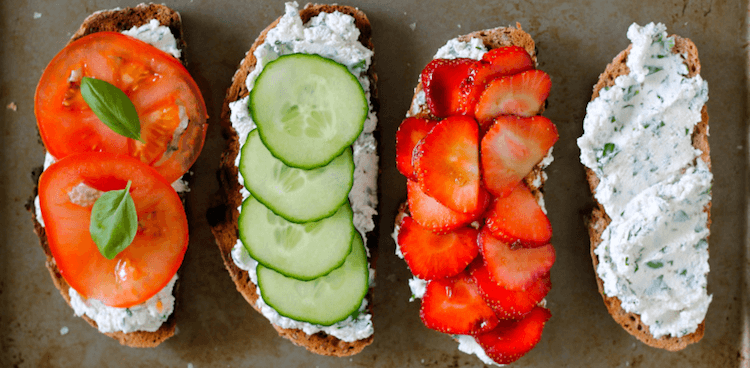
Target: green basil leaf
x,y
112,106
114,222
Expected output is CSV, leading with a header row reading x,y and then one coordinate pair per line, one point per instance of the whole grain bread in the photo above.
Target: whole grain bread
x,y
223,215
115,21
598,220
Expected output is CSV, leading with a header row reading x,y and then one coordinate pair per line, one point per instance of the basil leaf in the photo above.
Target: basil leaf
x,y
112,106
114,222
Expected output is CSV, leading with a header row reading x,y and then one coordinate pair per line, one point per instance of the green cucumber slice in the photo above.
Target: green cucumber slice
x,y
295,194
308,109
322,301
302,251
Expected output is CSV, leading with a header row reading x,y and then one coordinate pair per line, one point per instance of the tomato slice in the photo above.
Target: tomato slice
x,y
157,83
144,267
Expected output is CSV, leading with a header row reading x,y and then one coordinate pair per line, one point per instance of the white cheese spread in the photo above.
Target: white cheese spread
x,y
334,36
637,139
149,315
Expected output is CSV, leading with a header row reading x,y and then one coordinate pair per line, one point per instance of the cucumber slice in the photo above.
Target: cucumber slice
x,y
295,194
308,109
322,301
302,251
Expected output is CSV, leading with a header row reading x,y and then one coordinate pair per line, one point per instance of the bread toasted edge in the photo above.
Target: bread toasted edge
x,y
116,21
223,214
598,220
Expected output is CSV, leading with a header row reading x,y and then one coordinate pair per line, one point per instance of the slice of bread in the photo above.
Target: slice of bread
x,y
223,215
492,38
598,221
116,21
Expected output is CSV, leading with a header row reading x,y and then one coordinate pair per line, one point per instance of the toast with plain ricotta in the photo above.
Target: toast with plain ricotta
x,y
534,180
116,21
223,216
598,220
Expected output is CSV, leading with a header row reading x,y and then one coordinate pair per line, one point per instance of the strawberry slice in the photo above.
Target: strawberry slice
x,y
446,161
431,214
512,147
508,304
518,219
453,305
409,133
434,256
514,269
511,340
521,94
499,62
441,81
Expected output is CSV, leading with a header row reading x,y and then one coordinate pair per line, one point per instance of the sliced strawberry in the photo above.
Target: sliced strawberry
x,y
431,214
446,161
409,133
508,304
518,219
453,305
499,62
434,256
511,340
514,269
521,94
441,81
512,147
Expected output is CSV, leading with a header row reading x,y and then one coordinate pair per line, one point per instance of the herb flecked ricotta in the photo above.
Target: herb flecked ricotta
x,y
637,139
334,36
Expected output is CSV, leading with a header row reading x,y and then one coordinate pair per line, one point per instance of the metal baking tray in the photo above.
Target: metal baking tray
x,y
216,327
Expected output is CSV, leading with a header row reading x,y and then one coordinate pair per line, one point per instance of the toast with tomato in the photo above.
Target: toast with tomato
x,y
474,230
136,275
238,236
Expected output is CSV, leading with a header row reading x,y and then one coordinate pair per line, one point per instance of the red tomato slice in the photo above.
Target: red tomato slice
x,y
157,83
144,267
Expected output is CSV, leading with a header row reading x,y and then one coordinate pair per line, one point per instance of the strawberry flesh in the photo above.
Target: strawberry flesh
x,y
446,161
453,305
409,133
521,94
431,214
518,219
511,148
508,304
514,269
511,339
499,62
441,81
434,256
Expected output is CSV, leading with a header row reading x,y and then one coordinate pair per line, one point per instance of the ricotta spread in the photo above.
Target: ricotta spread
x,y
334,36
149,315
637,139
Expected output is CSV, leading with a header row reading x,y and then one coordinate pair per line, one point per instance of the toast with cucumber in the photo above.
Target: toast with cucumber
x,y
295,219
473,148
145,38
648,165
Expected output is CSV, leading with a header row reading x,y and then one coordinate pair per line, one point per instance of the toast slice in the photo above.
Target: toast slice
x,y
115,21
491,38
598,220
223,216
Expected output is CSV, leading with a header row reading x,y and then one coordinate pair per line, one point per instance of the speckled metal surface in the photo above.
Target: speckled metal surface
x,y
216,328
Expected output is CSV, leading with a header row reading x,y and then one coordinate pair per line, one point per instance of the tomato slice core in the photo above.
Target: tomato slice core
x,y
158,85
143,268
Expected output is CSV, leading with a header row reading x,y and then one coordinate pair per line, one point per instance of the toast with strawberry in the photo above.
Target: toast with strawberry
x,y
474,231
48,219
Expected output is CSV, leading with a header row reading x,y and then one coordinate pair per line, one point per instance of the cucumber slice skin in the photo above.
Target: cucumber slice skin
x,y
264,235
291,72
315,301
305,203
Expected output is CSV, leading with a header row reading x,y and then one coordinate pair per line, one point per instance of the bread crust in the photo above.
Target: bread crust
x,y
598,220
223,215
115,21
